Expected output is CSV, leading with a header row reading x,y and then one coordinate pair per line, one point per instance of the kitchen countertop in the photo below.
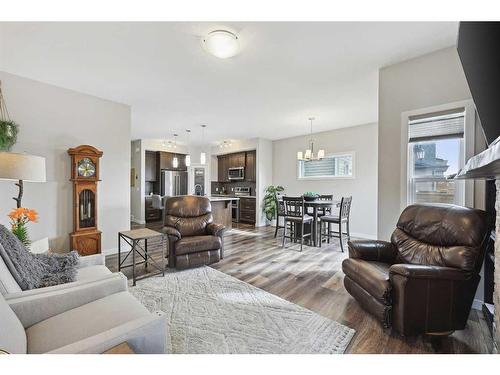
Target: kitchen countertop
x,y
232,196
215,198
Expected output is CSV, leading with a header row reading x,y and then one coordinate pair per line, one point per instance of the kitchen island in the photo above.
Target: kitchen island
x,y
221,210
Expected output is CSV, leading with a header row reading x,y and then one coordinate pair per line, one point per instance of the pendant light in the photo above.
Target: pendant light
x,y
188,156
175,160
309,152
203,156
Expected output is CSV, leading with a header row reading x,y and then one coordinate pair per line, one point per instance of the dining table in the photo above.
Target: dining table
x,y
316,205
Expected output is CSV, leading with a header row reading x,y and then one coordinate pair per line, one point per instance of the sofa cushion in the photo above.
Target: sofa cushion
x,y
196,244
83,322
7,283
92,273
371,276
12,335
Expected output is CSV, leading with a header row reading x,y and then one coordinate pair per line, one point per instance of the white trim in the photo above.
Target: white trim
x,y
364,235
137,221
477,304
352,154
469,131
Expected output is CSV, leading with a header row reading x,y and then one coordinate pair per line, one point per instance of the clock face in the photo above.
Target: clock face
x,y
86,168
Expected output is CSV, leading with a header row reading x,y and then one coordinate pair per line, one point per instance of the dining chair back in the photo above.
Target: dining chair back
x,y
294,206
296,220
345,208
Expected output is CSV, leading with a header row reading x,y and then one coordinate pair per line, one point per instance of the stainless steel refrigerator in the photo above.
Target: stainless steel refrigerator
x,y
173,183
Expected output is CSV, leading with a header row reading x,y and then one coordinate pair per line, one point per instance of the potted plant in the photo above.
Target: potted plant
x,y
310,196
19,219
270,198
8,134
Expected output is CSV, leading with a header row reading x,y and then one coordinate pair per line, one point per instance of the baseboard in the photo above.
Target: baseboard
x,y
477,304
364,235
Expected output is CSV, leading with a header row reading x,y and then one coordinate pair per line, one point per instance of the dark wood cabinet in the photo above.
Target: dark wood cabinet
x,y
222,168
248,210
151,170
167,161
250,166
152,214
246,160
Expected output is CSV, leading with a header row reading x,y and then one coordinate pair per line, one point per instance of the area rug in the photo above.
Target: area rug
x,y
211,312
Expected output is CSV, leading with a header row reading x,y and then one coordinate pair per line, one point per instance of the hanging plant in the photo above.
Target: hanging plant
x,y
8,134
8,128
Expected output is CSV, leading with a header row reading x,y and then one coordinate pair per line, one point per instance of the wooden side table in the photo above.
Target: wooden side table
x,y
122,348
134,238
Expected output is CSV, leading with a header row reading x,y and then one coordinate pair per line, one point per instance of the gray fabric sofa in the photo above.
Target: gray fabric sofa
x,y
91,268
87,318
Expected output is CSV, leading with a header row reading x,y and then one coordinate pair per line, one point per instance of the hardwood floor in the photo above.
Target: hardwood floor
x,y
313,279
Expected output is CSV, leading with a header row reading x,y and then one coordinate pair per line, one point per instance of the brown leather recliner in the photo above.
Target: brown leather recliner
x,y
193,238
425,279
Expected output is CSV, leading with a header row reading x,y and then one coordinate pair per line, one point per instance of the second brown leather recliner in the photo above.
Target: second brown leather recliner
x,y
193,238
425,279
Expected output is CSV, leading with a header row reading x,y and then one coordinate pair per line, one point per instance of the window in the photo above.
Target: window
x,y
331,166
435,154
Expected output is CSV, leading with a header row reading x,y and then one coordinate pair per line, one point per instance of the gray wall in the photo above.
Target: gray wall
x,y
363,187
51,120
426,81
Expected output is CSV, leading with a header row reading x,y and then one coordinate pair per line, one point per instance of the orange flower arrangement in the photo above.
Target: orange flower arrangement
x,y
19,218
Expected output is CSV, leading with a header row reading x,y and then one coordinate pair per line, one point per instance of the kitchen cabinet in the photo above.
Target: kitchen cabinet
x,y
250,166
247,210
150,172
167,161
152,214
246,160
222,167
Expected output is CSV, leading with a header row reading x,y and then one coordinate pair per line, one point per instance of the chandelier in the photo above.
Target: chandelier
x,y
309,155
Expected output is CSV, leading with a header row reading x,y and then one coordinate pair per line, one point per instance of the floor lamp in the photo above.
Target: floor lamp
x,y
21,167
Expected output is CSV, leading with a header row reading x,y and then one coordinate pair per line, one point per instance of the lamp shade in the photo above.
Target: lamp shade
x,y
24,167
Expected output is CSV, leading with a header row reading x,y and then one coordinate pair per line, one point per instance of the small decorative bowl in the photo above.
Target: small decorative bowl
x,y
310,198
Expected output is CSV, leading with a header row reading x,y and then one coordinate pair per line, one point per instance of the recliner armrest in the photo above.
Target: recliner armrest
x,y
416,271
215,229
172,232
374,250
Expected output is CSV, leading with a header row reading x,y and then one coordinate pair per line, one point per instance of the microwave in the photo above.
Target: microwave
x,y
237,173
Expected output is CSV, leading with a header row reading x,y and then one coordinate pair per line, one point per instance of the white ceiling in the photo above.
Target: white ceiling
x,y
285,72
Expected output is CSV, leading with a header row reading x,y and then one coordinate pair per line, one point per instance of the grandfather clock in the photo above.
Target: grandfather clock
x,y
86,238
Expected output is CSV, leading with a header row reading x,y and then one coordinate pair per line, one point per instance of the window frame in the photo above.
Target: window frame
x,y
412,181
467,189
352,154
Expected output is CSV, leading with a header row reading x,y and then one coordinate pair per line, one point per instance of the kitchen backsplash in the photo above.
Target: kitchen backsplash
x,y
227,186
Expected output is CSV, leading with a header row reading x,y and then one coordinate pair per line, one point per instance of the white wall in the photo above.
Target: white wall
x,y
426,81
51,120
363,187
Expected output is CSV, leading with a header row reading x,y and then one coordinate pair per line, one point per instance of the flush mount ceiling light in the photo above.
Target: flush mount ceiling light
x,y
221,43
308,155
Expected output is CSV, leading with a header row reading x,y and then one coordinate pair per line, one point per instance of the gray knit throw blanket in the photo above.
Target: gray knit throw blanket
x,y
33,271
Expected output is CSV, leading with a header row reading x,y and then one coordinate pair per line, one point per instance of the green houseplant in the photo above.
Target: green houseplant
x,y
270,208
8,134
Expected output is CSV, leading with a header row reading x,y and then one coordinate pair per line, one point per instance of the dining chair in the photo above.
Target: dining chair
x,y
342,218
295,216
325,210
280,213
